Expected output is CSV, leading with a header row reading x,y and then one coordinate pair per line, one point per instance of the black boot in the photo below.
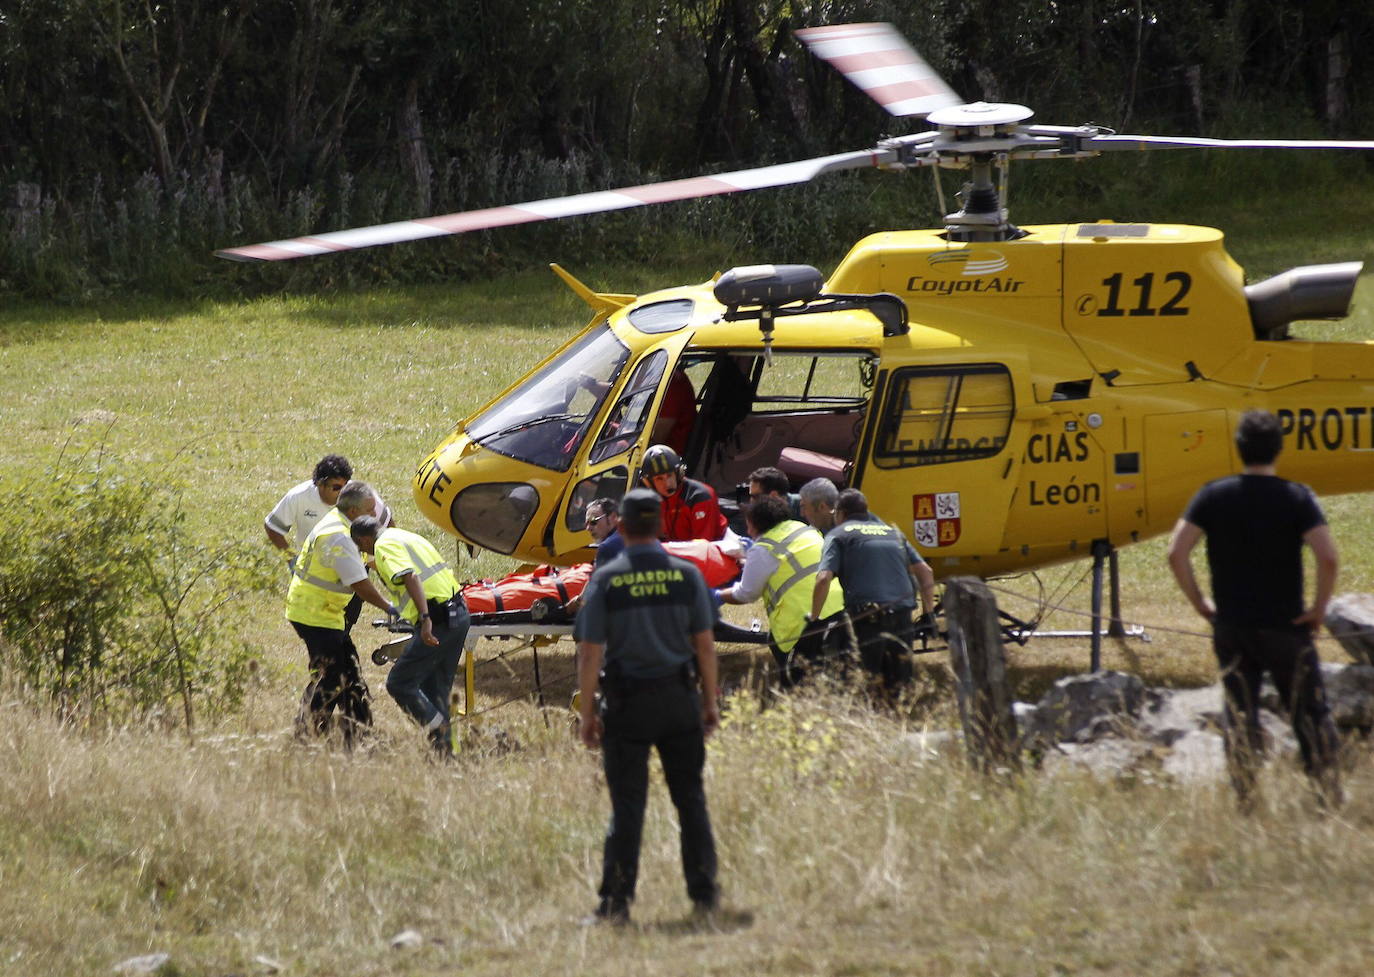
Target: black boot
x,y
441,741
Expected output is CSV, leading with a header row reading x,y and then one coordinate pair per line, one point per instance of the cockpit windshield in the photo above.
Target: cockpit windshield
x,y
543,420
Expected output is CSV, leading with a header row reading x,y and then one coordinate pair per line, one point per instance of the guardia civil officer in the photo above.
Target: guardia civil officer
x,y
428,595
645,639
328,573
880,572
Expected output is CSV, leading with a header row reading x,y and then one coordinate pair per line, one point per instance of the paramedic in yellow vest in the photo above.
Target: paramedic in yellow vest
x,y
328,573
781,567
421,680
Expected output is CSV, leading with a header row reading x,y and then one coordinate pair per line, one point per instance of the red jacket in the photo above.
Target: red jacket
x,y
692,512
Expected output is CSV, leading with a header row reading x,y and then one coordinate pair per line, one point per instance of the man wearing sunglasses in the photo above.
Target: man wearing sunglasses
x,y
306,504
603,522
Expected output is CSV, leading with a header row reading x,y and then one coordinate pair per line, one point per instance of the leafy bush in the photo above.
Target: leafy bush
x,y
111,609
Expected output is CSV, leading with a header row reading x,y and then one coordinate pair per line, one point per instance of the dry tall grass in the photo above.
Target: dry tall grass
x,y
856,847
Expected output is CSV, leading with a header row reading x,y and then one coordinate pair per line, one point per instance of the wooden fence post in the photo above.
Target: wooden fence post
x,y
980,667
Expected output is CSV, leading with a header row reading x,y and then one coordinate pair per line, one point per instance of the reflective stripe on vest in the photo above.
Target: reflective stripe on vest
x,y
303,573
423,571
773,592
424,567
797,548
317,596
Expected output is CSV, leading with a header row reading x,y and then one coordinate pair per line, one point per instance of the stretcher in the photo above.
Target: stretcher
x,y
532,605
519,624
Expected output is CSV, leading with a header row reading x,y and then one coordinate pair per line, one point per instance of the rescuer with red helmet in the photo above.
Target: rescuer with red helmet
x,y
690,508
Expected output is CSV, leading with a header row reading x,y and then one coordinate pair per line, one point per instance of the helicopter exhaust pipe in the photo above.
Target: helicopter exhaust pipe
x,y
1307,292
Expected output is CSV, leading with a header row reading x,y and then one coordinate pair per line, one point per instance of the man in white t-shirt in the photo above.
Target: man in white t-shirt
x,y
306,504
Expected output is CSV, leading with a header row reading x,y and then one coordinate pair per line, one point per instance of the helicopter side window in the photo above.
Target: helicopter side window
x,y
813,382
935,415
609,484
545,418
627,417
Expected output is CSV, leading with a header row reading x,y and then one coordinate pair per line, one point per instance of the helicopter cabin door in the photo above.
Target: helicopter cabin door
x,y
608,459
939,458
1183,450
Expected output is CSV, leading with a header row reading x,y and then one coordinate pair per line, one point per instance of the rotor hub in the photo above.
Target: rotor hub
x,y
979,115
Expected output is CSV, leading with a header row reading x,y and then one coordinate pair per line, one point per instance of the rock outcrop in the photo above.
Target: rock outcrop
x,y
1111,724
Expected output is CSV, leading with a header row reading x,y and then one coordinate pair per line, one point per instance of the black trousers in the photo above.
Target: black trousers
x,y
1288,655
822,641
351,612
666,717
335,682
885,639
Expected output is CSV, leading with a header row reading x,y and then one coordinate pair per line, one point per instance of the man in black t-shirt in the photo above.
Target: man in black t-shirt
x,y
1256,525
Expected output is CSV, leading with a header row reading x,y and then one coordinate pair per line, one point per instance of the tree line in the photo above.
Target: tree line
x,y
176,125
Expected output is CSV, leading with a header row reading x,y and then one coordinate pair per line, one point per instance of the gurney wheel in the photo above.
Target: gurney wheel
x,y
544,608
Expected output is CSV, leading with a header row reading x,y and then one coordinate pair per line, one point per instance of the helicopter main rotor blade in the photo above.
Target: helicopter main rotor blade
x,y
877,59
781,174
1111,143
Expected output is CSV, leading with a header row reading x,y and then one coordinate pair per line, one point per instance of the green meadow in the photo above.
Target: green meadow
x,y
851,844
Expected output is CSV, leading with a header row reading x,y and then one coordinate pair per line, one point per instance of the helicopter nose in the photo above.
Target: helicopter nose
x,y
495,514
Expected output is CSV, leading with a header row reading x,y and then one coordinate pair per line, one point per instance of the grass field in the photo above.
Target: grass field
x,y
850,845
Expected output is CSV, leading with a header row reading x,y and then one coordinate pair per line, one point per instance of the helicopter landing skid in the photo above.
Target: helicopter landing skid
x,y
1015,630
1104,559
1113,630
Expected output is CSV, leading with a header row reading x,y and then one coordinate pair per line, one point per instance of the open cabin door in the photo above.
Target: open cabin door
x,y
608,460
942,450
811,400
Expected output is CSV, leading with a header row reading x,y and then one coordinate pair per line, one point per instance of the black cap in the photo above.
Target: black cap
x,y
640,502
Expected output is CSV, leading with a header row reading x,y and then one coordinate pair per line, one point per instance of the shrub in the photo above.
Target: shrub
x,y
110,608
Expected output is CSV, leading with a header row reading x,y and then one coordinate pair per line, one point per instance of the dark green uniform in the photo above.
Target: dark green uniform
x,y
644,606
871,560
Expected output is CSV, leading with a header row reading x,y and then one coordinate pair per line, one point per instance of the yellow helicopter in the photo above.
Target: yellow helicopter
x,y
1011,396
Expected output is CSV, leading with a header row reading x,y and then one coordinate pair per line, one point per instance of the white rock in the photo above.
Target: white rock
x,y
1105,759
1350,618
1082,708
1197,757
1350,692
929,743
1170,714
149,963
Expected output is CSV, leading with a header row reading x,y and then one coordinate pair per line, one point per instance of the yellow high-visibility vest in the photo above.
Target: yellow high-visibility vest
x,y
787,595
317,596
400,552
